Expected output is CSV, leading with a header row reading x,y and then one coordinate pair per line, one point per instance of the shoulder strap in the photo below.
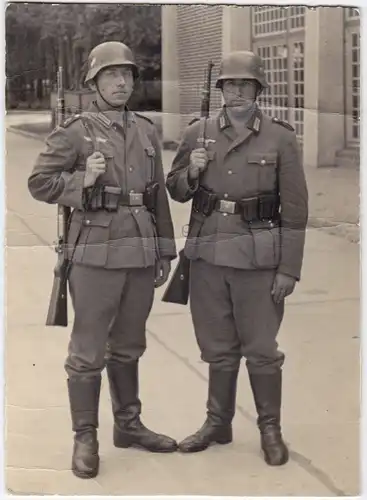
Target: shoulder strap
x,y
283,123
147,145
70,120
144,117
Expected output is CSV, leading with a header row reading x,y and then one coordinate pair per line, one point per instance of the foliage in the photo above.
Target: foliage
x,y
38,36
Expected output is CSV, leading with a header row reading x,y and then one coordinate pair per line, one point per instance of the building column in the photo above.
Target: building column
x,y
170,75
237,29
324,128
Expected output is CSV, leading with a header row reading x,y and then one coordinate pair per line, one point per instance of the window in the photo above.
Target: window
x,y
352,13
297,17
299,87
269,20
355,85
274,101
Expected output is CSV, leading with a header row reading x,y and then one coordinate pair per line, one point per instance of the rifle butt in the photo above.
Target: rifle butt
x,y
177,291
58,308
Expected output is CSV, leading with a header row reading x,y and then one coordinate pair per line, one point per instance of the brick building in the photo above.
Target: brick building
x,y
311,60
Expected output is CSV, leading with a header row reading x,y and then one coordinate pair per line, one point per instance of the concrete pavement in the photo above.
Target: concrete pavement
x,y
320,337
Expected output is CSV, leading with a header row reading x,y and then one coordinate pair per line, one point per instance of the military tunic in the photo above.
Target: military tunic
x,y
113,253
124,239
233,263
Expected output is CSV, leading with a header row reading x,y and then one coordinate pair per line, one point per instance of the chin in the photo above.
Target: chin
x,y
120,102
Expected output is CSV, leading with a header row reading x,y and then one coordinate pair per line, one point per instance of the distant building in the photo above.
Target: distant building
x,y
312,64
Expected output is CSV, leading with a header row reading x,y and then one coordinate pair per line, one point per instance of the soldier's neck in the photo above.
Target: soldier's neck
x,y
240,115
114,114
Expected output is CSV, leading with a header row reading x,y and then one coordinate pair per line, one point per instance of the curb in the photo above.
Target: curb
x,y
346,230
30,135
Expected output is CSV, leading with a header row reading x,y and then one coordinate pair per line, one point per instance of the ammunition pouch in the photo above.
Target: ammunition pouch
x,y
150,196
260,208
109,198
204,201
254,209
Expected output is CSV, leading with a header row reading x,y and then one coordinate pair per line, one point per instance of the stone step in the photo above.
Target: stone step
x,y
348,157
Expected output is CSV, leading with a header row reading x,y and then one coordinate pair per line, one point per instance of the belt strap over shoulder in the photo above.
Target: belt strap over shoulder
x,y
148,147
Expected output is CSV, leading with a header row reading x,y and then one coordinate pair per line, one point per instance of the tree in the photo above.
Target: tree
x,y
38,36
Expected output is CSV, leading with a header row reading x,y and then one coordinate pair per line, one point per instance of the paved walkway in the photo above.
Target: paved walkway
x,y
320,337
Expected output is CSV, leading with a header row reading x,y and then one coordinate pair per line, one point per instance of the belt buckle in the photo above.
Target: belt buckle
x,y
135,199
227,206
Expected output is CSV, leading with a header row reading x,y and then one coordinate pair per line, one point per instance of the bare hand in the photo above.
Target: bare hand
x,y
198,162
282,287
162,270
96,166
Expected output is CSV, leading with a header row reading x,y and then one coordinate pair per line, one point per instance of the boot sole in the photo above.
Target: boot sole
x,y
85,475
276,464
129,443
283,461
205,447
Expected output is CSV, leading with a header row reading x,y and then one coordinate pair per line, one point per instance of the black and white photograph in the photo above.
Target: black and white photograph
x,y
182,250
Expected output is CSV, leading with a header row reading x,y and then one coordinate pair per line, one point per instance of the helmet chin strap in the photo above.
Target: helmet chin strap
x,y
241,109
119,107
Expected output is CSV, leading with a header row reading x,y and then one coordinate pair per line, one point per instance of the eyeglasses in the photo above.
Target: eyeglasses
x,y
244,85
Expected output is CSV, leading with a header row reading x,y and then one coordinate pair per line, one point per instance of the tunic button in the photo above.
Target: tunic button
x,y
136,210
263,162
226,195
225,214
87,222
131,191
229,172
131,169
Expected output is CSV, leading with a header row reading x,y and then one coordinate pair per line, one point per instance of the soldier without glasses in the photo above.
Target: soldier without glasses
x,y
106,165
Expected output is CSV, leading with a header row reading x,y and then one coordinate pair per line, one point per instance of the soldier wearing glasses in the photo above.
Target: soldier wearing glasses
x,y
246,244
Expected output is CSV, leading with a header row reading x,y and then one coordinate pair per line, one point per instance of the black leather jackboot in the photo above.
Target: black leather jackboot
x,y
126,406
220,412
267,391
84,394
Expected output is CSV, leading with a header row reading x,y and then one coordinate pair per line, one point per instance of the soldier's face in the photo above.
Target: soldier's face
x,y
239,92
116,84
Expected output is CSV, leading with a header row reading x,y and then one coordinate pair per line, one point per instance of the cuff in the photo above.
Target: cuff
x,y
73,192
167,248
187,187
288,271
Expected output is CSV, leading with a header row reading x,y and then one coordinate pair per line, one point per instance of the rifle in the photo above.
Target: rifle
x,y
58,311
177,291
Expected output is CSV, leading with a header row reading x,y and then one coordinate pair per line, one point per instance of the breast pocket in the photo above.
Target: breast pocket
x,y
266,170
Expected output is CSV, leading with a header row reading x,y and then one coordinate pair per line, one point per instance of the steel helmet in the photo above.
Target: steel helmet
x,y
109,54
242,64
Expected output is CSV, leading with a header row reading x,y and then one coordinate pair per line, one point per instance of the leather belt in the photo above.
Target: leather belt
x,y
256,208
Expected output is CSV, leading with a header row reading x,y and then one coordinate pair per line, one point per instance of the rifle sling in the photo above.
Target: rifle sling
x,y
93,149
